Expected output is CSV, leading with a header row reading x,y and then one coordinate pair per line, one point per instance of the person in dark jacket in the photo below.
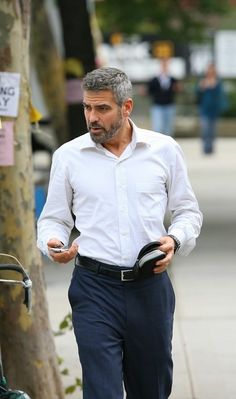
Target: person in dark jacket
x,y
162,90
211,100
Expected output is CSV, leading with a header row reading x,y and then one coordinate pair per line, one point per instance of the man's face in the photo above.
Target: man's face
x,y
103,116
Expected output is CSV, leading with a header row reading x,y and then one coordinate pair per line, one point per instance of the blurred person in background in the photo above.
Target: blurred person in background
x,y
162,90
211,102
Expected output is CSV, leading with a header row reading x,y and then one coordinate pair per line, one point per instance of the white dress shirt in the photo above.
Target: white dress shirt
x,y
119,203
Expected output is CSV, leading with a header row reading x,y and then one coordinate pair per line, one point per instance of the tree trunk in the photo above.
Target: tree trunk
x,y
27,342
50,70
79,58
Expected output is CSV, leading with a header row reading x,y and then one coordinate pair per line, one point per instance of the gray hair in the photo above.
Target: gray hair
x,y
112,79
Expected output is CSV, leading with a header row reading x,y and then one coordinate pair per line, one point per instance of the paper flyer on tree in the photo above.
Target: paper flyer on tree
x,y
7,144
9,93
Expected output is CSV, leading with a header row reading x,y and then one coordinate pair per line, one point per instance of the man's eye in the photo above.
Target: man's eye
x,y
103,108
100,108
86,107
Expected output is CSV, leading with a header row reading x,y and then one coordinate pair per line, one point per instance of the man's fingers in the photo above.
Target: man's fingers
x,y
66,256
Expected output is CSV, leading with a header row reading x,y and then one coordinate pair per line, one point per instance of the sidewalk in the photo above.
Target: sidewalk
x,y
204,342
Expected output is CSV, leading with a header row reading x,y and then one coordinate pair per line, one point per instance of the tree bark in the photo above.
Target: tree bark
x,y
79,57
50,70
27,342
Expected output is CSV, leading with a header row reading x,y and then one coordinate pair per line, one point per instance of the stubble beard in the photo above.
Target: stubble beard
x,y
106,135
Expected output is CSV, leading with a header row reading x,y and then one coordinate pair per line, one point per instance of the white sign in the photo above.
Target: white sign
x,y
225,53
134,59
200,58
9,93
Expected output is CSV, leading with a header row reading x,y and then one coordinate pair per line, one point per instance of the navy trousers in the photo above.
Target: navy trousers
x,y
124,332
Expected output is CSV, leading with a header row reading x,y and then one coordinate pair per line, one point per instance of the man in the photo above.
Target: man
x,y
162,90
212,102
116,182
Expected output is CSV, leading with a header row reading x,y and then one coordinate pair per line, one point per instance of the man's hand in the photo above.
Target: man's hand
x,y
167,246
61,257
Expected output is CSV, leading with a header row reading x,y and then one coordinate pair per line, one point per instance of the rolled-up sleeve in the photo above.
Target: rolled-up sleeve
x,y
56,219
186,217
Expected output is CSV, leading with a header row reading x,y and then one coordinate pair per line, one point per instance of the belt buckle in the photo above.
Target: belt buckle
x,y
123,272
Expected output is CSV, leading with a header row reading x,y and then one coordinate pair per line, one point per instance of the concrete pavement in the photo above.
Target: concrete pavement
x,y
205,283
204,342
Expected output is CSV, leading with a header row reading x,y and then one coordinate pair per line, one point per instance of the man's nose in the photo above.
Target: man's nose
x,y
93,116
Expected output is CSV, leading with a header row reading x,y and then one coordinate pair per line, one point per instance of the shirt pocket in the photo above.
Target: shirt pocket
x,y
151,198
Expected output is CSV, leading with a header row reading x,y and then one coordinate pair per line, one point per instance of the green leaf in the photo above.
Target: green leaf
x,y
65,371
70,389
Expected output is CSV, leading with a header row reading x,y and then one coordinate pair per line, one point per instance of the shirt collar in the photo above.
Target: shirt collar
x,y
86,141
138,136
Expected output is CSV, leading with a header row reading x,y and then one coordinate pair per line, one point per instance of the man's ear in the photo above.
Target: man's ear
x,y
128,107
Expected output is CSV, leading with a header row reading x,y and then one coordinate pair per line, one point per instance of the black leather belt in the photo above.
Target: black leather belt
x,y
107,270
